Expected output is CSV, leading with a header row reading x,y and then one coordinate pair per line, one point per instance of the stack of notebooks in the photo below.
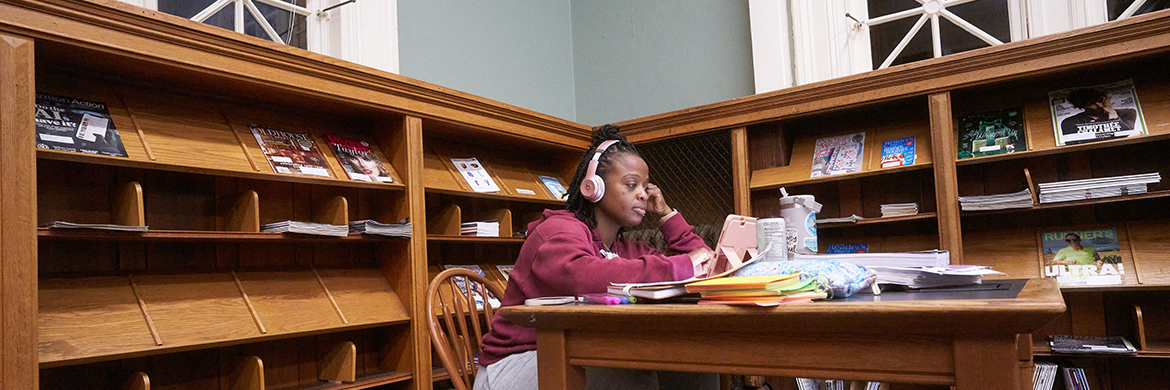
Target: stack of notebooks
x,y
1015,200
899,210
318,229
1044,375
932,277
100,226
850,219
1115,345
369,226
1104,187
769,290
481,228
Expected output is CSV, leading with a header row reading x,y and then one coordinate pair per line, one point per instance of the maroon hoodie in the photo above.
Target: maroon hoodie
x,y
562,256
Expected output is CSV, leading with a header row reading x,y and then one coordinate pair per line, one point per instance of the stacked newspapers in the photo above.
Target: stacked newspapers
x,y
1104,187
481,228
850,219
931,277
1015,200
101,226
319,229
899,209
369,226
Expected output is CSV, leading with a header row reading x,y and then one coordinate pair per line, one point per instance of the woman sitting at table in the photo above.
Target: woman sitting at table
x,y
579,250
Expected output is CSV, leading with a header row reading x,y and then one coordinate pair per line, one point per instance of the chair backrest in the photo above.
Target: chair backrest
x,y
454,293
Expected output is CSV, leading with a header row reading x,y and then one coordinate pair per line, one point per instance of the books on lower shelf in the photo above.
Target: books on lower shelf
x,y
899,210
318,229
481,229
369,226
1092,345
837,384
1015,200
1044,375
99,226
931,258
1103,187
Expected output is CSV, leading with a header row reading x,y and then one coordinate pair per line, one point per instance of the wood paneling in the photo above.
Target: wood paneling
x,y
946,190
89,318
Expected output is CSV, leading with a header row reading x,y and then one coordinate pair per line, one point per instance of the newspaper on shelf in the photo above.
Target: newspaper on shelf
x,y
318,229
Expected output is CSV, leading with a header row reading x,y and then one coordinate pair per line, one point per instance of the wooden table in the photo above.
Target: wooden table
x,y
969,343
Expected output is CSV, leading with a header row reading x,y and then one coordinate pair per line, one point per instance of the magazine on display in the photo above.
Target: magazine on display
x,y
358,159
291,152
75,125
475,174
992,133
554,186
461,282
897,153
1083,257
1096,113
838,155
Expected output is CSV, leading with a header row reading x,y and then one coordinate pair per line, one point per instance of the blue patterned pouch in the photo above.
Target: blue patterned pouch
x,y
842,279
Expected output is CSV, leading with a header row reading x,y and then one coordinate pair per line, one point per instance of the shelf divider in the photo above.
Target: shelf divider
x,y
340,364
128,206
243,213
137,381
247,374
447,222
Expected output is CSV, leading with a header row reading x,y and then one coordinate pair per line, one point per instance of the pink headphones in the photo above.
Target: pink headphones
x,y
593,186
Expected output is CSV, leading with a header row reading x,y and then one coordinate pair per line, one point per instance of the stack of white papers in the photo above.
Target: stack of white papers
x,y
369,226
931,258
1044,375
929,277
1015,200
319,229
481,228
899,209
1103,187
850,219
101,226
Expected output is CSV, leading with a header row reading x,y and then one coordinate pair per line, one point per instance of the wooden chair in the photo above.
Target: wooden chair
x,y
454,342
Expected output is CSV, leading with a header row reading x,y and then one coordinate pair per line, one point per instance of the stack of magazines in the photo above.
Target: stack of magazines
x,y
369,226
1015,200
931,258
1044,375
932,277
1086,344
319,229
850,219
481,228
899,209
1104,187
101,226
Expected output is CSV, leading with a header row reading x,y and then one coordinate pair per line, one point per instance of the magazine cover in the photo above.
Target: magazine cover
x,y
899,152
75,125
554,186
1083,258
505,270
992,133
359,160
291,152
475,174
835,249
838,155
462,284
1096,113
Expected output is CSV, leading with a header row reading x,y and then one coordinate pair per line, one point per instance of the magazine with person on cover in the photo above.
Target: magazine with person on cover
x,y
358,159
898,152
1083,257
1096,113
461,282
291,152
838,155
75,125
991,133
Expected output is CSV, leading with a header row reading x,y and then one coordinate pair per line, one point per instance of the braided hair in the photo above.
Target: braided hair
x,y
582,208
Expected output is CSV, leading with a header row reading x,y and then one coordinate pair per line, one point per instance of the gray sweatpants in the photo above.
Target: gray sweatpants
x,y
518,372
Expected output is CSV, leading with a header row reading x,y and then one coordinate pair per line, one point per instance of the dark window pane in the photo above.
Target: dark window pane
x,y
290,26
1116,7
991,16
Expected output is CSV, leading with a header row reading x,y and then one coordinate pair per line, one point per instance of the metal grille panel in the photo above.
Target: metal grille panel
x,y
695,176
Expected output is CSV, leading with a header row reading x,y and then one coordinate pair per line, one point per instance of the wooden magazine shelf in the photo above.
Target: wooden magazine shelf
x,y
198,236
878,221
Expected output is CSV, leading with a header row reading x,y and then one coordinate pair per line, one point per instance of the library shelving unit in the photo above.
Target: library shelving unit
x,y
772,136
203,299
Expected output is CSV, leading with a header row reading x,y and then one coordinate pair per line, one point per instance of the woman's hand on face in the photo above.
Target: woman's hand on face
x,y
655,202
702,260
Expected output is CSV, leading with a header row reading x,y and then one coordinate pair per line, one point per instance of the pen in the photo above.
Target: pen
x,y
604,299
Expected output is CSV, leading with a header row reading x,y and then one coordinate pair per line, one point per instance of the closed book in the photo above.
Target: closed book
x,y
741,283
